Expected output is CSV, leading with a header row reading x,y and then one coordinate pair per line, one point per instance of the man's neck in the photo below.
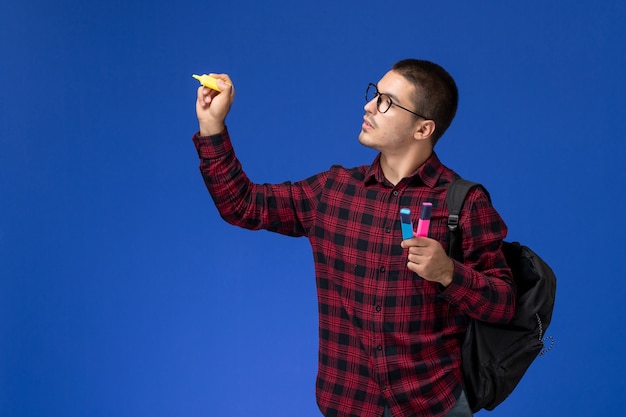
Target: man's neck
x,y
397,167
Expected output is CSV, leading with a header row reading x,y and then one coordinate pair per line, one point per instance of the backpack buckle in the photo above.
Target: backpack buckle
x,y
453,222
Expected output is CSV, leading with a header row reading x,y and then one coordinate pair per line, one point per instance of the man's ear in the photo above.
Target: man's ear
x,y
424,130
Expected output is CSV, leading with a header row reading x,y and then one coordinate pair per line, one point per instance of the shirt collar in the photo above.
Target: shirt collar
x,y
428,173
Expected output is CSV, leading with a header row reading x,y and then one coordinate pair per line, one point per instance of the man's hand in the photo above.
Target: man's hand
x,y
429,260
212,106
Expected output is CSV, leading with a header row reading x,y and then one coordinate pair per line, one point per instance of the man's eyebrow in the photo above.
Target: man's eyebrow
x,y
393,97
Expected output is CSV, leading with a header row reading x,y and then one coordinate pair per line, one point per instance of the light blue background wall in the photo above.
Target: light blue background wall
x,y
122,292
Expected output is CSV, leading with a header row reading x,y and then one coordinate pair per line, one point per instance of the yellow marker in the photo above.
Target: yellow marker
x,y
208,81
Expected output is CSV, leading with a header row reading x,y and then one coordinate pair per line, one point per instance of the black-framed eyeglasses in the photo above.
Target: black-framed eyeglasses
x,y
383,101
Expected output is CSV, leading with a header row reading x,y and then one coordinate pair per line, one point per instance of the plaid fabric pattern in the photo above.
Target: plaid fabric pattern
x,y
386,336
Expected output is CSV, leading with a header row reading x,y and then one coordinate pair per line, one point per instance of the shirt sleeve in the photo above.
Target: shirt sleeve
x,y
482,286
287,208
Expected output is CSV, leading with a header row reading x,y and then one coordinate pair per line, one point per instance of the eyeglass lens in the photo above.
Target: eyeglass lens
x,y
383,102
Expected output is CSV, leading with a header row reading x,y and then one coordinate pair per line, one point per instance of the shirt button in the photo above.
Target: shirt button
x,y
383,269
388,230
383,387
379,347
378,308
395,193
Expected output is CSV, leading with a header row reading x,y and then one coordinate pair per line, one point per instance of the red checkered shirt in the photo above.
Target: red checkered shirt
x,y
386,336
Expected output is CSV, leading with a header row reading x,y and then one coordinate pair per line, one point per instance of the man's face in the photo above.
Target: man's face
x,y
393,131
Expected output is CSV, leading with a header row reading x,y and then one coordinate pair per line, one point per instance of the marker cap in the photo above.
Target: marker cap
x,y
426,210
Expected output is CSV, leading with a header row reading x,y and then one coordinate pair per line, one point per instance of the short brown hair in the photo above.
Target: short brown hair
x,y
437,94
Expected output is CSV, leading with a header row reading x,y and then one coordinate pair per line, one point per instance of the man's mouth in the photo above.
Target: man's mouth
x,y
367,124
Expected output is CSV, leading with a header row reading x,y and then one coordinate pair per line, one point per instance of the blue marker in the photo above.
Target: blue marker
x,y
406,223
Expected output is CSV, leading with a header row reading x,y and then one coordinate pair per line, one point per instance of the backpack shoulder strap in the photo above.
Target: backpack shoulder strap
x,y
455,197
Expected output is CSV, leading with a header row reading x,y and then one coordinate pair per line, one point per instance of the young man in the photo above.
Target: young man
x,y
392,313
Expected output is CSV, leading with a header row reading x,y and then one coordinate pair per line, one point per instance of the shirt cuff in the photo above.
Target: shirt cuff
x,y
214,146
456,290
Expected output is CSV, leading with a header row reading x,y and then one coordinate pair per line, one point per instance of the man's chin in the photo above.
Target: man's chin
x,y
363,140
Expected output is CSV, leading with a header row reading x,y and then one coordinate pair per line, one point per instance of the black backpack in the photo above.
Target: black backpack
x,y
495,357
